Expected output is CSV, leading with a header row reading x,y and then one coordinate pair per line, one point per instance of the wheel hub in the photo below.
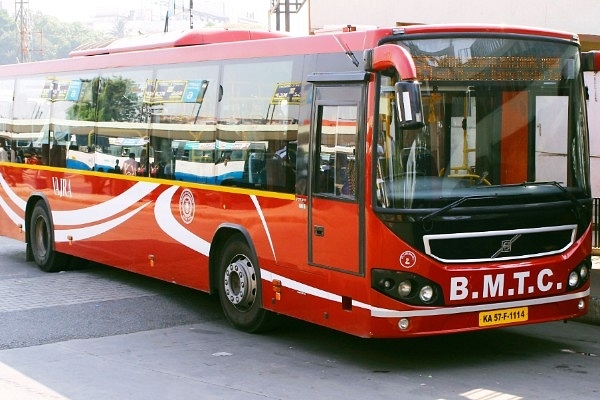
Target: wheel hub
x,y
240,283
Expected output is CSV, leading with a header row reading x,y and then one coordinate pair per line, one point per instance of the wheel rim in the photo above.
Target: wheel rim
x,y
240,283
41,238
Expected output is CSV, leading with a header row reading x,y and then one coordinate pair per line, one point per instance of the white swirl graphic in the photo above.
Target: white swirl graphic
x,y
92,214
106,209
264,222
12,195
169,224
62,235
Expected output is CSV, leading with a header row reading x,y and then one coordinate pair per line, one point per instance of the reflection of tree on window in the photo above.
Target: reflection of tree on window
x,y
116,101
85,108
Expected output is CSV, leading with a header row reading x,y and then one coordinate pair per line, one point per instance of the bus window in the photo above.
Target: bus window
x,y
338,132
73,124
6,102
122,120
31,118
183,121
258,118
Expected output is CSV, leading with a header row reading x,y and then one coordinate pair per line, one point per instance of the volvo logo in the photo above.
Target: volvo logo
x,y
506,246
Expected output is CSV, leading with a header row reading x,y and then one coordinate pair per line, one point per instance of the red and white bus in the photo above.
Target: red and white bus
x,y
385,183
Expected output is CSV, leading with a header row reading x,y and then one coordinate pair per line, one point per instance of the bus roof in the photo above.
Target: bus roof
x,y
485,28
172,39
223,35
172,47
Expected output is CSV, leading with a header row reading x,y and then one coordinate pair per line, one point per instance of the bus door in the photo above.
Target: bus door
x,y
335,216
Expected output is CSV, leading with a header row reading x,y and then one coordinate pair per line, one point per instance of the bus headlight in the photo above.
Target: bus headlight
x,y
407,287
583,272
573,279
404,288
426,294
579,275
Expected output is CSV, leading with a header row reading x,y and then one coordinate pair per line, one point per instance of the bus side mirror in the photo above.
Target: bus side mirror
x,y
408,102
408,90
590,61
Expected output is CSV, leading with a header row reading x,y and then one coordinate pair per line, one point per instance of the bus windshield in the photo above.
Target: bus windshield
x,y
504,117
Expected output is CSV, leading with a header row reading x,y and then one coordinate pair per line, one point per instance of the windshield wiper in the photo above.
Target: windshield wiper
x,y
561,188
545,183
456,203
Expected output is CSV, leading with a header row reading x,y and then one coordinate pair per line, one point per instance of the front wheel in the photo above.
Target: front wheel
x,y
240,288
41,239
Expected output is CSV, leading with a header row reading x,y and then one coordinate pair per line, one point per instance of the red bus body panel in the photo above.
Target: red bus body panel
x,y
137,225
145,225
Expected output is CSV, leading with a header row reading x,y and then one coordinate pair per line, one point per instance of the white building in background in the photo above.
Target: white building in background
x,y
569,15
577,16
130,17
148,16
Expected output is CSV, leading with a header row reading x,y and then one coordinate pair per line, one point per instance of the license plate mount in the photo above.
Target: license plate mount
x,y
503,316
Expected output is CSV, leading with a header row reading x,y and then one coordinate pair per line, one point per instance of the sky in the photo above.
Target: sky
x,y
74,10
81,10
84,10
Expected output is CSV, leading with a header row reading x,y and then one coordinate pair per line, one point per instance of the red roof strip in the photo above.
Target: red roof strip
x,y
173,39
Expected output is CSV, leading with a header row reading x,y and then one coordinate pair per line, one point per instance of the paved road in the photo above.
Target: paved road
x,y
99,333
88,301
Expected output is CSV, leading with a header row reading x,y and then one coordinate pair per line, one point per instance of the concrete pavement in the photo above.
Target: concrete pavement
x,y
211,360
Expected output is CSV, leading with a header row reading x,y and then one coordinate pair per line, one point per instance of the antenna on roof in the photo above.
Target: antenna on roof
x,y
170,7
191,14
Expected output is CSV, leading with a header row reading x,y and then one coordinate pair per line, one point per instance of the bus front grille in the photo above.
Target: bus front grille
x,y
499,245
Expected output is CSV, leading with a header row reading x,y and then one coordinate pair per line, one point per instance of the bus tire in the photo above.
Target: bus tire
x,y
239,288
41,237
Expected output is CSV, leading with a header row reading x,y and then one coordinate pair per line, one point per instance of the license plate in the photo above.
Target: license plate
x,y
504,316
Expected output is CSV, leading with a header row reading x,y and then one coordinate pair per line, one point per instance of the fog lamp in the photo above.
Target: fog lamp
x,y
581,304
403,324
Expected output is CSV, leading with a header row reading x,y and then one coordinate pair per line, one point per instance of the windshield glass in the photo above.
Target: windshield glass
x,y
498,112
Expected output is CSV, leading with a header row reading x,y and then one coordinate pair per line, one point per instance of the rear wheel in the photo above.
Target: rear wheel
x,y
240,288
41,238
